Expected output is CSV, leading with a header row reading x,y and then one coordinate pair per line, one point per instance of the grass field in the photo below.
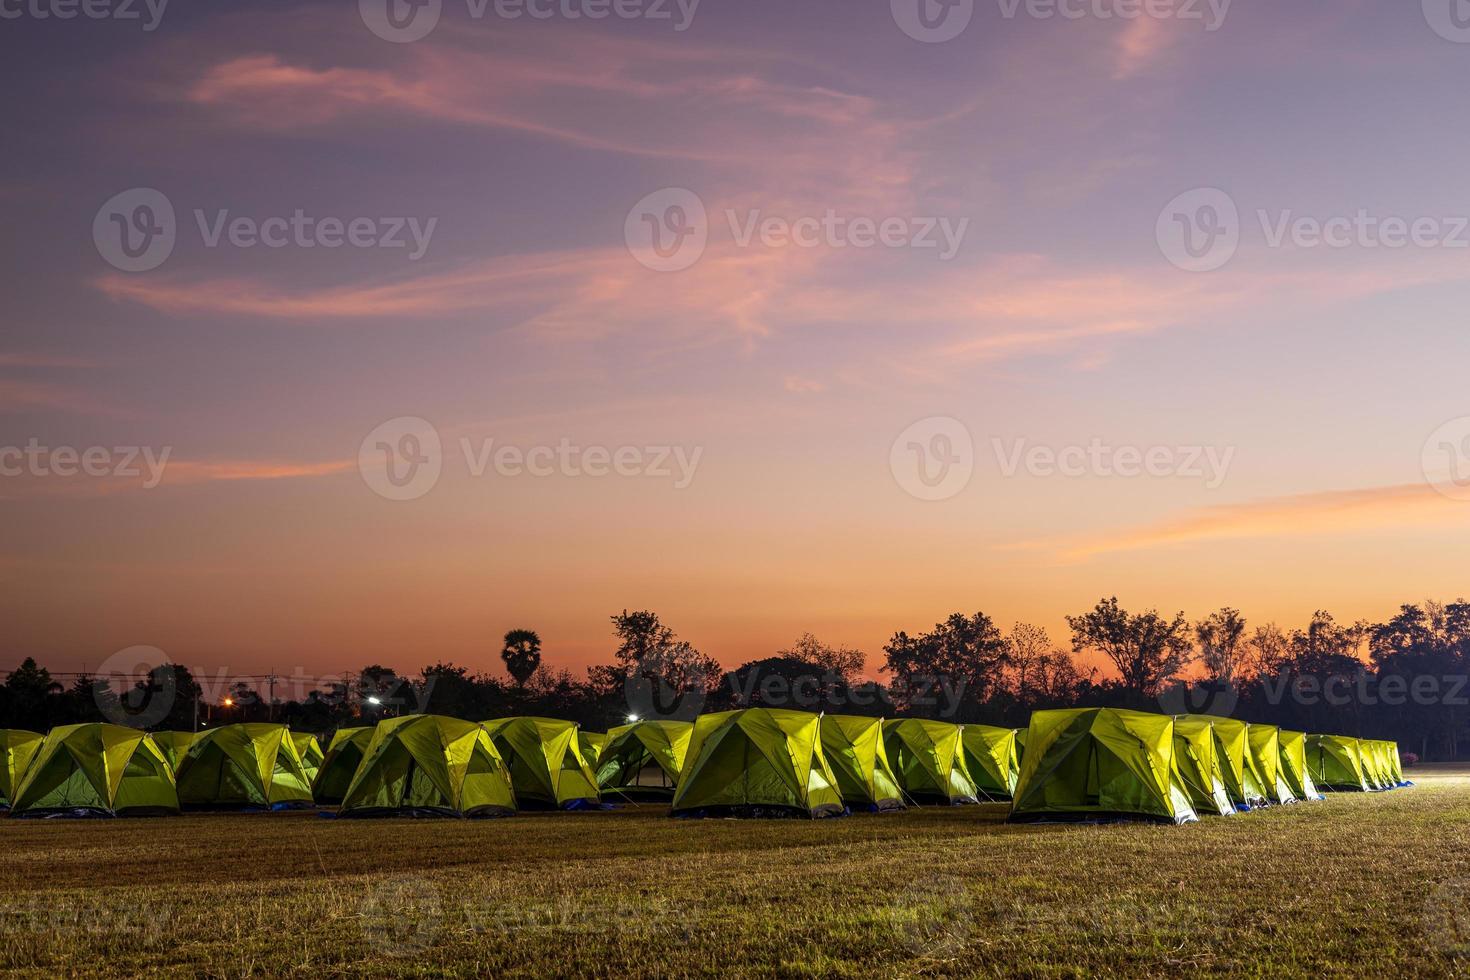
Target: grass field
x,y
1355,885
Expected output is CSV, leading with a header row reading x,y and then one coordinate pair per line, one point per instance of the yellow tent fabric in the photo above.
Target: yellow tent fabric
x,y
547,767
757,762
591,744
1372,765
429,765
1294,768
96,770
1388,762
339,763
17,748
1334,763
642,760
928,757
310,751
173,745
1197,758
1100,764
854,750
1242,781
990,759
1264,744
1387,759
243,766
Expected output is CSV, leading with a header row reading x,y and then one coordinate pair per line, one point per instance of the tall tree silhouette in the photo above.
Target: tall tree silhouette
x,y
1147,649
522,655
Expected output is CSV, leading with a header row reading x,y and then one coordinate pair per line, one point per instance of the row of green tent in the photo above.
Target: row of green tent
x,y
1069,764
1088,764
1096,764
414,764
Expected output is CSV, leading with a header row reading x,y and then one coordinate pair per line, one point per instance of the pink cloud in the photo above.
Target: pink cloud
x,y
31,395
641,99
1325,512
158,470
18,360
1140,44
804,386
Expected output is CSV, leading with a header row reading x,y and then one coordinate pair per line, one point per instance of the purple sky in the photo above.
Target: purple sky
x,y
1303,403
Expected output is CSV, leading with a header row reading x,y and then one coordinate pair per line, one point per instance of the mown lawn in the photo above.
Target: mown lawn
x,y
1376,885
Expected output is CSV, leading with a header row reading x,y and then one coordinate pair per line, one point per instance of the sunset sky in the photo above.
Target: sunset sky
x,y
1326,382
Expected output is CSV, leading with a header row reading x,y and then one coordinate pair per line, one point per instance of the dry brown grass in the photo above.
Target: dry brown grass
x,y
1356,885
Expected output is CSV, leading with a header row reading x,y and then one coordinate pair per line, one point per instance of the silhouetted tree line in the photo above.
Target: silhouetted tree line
x,y
1404,679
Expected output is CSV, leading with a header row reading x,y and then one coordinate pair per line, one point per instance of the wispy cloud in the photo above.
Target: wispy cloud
x,y
1325,512
28,360
739,111
185,472
804,386
157,469
16,396
570,295
1140,44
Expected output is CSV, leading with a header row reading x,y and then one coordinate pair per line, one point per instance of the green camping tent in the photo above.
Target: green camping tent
x,y
546,764
591,744
1100,764
1263,742
245,766
339,764
173,745
96,770
17,748
1242,781
642,760
757,762
428,765
1197,757
1388,762
310,751
928,757
1372,765
1396,764
1387,754
1294,765
1385,767
853,748
990,759
1334,763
